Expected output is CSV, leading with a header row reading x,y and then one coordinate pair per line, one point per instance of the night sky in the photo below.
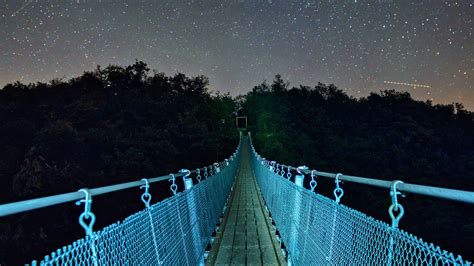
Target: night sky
x,y
360,46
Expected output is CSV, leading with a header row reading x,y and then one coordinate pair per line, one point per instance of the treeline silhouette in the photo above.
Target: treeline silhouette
x,y
387,135
120,124
108,126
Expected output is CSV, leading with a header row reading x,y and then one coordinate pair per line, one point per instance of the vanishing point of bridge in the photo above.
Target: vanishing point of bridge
x,y
246,210
247,235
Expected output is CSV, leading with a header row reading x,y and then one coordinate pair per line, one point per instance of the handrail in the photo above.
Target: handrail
x,y
438,192
32,204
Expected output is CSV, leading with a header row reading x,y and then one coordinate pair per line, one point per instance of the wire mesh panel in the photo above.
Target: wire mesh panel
x,y
318,231
175,231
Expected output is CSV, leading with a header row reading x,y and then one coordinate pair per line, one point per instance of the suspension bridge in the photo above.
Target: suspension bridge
x,y
246,210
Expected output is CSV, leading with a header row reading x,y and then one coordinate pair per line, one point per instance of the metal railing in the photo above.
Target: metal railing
x,y
174,231
32,204
317,230
314,228
438,192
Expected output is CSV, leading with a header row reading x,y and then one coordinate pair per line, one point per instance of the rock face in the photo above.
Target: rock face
x,y
38,177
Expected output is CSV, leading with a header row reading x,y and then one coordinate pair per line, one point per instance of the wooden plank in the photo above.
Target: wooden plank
x,y
254,257
228,239
246,238
240,240
239,256
224,256
251,228
252,240
269,256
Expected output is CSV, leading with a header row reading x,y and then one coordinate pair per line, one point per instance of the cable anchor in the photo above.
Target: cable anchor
x,y
146,196
173,186
313,183
288,173
338,192
395,206
198,175
87,214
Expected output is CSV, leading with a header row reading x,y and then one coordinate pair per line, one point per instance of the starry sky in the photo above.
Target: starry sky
x,y
359,45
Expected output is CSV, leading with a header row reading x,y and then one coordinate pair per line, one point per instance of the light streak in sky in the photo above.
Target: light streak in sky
x,y
21,8
406,84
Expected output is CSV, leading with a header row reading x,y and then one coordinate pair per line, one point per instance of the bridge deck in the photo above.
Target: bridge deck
x,y
246,237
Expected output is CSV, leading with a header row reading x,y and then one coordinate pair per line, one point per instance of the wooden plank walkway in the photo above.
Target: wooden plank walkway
x,y
246,237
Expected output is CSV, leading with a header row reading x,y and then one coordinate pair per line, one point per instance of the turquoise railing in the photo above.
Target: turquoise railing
x,y
174,231
317,230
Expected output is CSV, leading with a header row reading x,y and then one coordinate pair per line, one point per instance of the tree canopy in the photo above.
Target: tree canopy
x,y
387,135
108,126
119,124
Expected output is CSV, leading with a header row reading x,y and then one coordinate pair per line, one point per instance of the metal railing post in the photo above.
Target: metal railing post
x,y
193,215
299,180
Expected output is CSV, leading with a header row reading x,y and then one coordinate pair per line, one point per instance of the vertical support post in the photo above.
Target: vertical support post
x,y
299,180
193,216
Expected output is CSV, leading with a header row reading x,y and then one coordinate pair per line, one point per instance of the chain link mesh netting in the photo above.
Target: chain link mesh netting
x,y
175,231
318,231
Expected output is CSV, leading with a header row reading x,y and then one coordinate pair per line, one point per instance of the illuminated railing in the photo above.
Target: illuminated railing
x,y
317,230
174,231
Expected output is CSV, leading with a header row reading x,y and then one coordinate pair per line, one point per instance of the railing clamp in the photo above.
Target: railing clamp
x,y
299,179
188,182
217,168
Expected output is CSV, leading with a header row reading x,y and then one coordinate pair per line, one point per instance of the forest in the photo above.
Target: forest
x,y
119,124
387,135
108,126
